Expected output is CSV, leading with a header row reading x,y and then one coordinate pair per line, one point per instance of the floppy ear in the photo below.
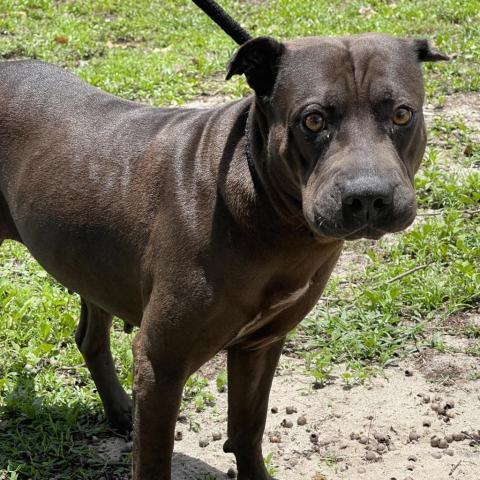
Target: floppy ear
x,y
426,53
258,59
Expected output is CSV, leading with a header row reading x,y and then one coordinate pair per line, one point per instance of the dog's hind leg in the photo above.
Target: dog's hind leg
x,y
93,340
250,375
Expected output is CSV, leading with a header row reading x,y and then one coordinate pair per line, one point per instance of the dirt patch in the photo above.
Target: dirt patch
x,y
466,105
382,430
385,412
462,322
206,101
448,368
352,262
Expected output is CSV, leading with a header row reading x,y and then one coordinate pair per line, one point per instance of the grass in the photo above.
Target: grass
x,y
165,53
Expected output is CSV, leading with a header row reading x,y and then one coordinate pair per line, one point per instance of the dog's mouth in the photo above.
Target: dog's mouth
x,y
324,228
367,232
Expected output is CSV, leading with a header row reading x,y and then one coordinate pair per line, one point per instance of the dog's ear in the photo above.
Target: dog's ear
x,y
258,59
425,53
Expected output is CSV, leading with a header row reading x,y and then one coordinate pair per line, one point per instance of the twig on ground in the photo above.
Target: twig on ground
x,y
471,437
330,299
450,473
437,213
408,272
69,369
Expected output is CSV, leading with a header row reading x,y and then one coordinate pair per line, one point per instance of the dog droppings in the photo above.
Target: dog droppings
x,y
413,436
287,423
203,442
363,439
380,437
302,420
381,448
372,456
274,437
449,403
442,443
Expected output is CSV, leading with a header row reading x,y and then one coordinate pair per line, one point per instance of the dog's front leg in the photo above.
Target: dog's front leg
x,y
158,385
250,375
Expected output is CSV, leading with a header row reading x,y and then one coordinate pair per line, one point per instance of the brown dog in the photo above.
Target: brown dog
x,y
210,229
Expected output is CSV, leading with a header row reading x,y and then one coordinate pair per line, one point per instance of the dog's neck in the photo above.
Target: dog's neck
x,y
285,201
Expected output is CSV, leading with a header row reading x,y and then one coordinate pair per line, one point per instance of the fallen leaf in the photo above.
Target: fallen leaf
x,y
61,40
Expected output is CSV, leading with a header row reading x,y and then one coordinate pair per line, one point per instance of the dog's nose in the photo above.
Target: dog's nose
x,y
367,202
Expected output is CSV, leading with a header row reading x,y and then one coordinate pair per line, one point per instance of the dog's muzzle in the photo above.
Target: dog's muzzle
x,y
364,208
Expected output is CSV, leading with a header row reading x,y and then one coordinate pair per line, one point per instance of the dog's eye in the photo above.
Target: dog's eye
x,y
402,116
314,122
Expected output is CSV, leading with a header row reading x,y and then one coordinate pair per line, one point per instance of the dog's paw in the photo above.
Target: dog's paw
x,y
122,424
121,421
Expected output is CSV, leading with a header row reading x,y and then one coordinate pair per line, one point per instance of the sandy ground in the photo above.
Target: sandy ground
x,y
379,431
396,409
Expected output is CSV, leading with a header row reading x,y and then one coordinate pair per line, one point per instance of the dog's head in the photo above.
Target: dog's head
x,y
341,128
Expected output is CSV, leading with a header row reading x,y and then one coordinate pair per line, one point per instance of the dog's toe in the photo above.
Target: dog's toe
x,y
121,423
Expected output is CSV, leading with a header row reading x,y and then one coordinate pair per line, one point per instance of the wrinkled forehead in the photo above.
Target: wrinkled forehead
x,y
349,71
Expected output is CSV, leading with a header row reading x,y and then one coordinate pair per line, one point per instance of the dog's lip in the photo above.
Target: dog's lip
x,y
363,231
366,231
325,231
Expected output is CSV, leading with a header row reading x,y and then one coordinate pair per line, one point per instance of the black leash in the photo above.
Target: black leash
x,y
239,35
224,20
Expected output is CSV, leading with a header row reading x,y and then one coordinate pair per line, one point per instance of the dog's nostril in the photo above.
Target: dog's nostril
x,y
356,205
366,206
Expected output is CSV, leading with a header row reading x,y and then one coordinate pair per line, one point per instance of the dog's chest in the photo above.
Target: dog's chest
x,y
276,301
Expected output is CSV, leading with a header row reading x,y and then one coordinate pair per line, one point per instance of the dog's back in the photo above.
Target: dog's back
x,y
84,174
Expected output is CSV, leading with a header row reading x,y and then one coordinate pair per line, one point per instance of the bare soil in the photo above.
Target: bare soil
x,y
389,408
391,419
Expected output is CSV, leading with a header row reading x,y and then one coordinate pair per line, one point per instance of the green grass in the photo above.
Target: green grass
x,y
166,53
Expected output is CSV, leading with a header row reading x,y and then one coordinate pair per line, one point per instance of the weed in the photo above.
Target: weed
x,y
196,390
221,381
268,460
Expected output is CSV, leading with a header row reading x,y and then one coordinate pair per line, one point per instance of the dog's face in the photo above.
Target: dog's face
x,y
343,127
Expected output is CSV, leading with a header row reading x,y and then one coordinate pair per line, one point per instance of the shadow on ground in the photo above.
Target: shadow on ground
x,y
189,468
59,440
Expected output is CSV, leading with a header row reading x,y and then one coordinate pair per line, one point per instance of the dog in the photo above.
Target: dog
x,y
210,229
